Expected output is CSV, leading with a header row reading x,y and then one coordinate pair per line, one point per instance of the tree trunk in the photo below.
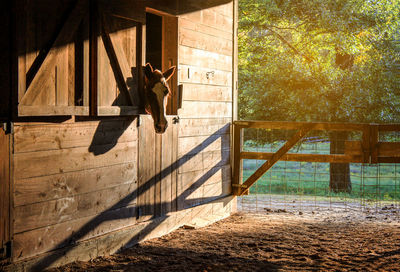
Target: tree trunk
x,y
339,172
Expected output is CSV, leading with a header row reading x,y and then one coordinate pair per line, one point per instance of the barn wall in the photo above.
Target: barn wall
x,y
205,70
72,177
80,185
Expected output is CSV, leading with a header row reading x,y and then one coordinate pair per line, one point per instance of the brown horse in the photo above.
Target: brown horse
x,y
156,93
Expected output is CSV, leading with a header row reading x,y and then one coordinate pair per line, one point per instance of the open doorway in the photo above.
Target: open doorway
x,y
162,49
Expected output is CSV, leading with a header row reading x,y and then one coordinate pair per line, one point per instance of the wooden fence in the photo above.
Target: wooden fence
x,y
368,150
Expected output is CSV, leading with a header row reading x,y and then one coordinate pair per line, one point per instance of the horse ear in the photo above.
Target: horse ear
x,y
148,70
169,73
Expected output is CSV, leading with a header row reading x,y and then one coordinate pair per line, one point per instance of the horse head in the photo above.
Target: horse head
x,y
156,93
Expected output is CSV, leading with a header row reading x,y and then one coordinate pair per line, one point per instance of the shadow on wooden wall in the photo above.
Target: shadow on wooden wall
x,y
104,216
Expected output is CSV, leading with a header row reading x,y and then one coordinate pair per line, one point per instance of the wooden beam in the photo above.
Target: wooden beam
x,y
52,110
237,162
388,159
388,149
389,127
282,151
304,157
118,110
299,125
66,34
374,139
140,58
93,64
365,144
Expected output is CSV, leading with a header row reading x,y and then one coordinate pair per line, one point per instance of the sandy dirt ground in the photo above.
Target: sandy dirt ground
x,y
275,240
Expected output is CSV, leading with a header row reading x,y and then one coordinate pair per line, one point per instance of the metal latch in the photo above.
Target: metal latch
x,y
176,120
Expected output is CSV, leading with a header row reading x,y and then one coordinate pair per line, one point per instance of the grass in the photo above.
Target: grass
x,y
369,182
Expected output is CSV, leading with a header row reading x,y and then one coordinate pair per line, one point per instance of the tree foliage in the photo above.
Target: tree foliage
x,y
319,60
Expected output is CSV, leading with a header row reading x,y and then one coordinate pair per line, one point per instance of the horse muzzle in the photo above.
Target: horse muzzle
x,y
160,128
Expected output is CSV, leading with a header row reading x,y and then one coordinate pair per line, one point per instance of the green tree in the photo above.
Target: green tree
x,y
320,60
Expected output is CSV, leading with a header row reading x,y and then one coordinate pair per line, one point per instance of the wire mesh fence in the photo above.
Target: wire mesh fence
x,y
311,186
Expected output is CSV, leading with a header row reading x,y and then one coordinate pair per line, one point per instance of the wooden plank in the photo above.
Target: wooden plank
x,y
388,159
297,125
63,136
204,126
42,189
235,60
166,167
70,97
203,160
157,181
170,58
37,215
225,9
66,34
93,58
214,191
388,149
205,42
304,157
51,110
192,145
195,92
282,151
117,58
200,58
118,110
86,69
43,163
107,85
190,181
62,86
168,164
200,75
208,17
204,109
21,46
374,139
188,24
140,59
237,162
112,242
389,127
212,18
365,145
174,173
5,189
34,242
146,168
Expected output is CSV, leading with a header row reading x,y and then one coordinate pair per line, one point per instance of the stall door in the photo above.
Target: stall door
x,y
157,171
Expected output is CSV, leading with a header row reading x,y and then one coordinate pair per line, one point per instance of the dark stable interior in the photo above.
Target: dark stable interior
x,y
154,40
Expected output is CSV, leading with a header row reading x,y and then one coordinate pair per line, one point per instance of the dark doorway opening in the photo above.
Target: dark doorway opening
x,y
154,40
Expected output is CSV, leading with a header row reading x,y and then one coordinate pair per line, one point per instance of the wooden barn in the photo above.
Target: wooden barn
x,y
82,171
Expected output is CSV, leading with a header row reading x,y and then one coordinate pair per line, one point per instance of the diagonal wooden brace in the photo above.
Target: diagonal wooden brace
x,y
275,158
117,59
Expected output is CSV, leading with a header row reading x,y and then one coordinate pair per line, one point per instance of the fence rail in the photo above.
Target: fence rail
x,y
367,150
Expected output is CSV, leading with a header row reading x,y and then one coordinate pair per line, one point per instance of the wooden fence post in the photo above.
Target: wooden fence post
x,y
237,162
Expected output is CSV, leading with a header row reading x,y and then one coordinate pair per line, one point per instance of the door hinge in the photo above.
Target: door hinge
x,y
5,250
